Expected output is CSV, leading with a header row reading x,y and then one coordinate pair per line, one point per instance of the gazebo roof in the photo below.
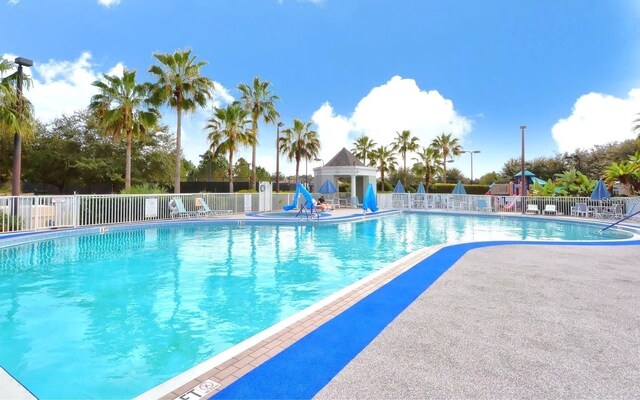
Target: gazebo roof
x,y
344,158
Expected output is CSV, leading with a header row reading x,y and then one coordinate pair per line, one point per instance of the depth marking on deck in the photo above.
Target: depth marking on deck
x,y
199,390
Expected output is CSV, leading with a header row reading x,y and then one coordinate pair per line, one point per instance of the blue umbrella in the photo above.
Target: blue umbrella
x,y
399,188
328,187
420,188
459,189
600,192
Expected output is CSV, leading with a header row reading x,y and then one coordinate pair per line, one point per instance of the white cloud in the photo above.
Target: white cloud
x,y
13,2
109,3
394,106
595,119
62,87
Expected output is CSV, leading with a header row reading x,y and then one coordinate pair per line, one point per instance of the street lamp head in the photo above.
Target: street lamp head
x,y
476,151
523,127
280,124
25,62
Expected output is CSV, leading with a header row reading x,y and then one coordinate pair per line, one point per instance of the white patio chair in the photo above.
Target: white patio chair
x,y
532,209
550,209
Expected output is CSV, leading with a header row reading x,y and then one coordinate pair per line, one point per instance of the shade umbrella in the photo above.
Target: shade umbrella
x,y
459,189
600,192
420,189
328,187
399,188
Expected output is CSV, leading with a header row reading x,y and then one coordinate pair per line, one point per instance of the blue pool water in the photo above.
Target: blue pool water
x,y
112,315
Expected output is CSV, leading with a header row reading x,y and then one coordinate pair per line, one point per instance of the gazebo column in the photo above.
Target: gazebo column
x,y
353,186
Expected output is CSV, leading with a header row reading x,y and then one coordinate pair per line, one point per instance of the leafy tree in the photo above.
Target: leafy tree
x,y
299,142
228,132
455,175
242,170
626,171
261,104
180,85
574,183
492,177
428,165
119,108
446,147
262,174
404,143
16,112
363,148
384,158
549,189
210,168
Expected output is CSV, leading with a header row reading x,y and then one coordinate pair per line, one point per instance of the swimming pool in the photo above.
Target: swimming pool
x,y
112,315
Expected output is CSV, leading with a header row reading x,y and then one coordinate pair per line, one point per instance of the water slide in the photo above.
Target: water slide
x,y
369,201
300,190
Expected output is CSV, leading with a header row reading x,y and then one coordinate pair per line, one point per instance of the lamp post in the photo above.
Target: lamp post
x,y
17,138
320,159
523,178
471,153
278,126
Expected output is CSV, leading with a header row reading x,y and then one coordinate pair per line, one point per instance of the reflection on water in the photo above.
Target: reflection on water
x,y
112,315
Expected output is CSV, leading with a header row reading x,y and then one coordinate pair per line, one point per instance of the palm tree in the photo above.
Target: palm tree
x,y
627,172
16,112
180,85
363,148
260,103
431,164
404,143
299,142
228,132
385,159
446,146
120,112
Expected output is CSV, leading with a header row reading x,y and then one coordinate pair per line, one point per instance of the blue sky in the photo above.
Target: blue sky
x,y
569,70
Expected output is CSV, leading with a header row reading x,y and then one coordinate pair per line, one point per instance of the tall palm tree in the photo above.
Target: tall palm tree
x,y
363,148
261,104
384,158
180,85
431,165
446,147
404,143
299,142
120,110
228,132
16,112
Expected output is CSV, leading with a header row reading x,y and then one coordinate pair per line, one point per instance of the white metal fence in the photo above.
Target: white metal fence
x,y
514,204
32,213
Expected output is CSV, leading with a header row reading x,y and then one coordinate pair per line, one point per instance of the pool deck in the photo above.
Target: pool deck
x,y
513,321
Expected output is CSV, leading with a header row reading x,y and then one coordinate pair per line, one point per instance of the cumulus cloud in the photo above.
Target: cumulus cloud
x,y
395,106
595,119
109,3
13,2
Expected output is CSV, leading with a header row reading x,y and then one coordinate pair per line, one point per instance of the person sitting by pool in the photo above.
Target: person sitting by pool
x,y
321,205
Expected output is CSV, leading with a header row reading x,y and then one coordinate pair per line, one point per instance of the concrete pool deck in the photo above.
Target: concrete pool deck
x,y
512,322
563,323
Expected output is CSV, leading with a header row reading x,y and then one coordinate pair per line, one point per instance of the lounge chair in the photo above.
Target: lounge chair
x,y
482,205
550,209
580,209
204,210
177,209
532,209
613,212
355,202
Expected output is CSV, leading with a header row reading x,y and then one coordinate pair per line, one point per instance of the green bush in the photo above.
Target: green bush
x,y
9,223
145,188
246,191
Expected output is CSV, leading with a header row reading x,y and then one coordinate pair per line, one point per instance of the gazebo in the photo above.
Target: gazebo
x,y
346,165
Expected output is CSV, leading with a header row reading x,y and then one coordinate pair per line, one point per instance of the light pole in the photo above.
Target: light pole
x,y
278,126
523,178
17,138
320,159
471,153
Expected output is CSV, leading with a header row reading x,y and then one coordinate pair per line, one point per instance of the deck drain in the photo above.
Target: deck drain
x,y
199,390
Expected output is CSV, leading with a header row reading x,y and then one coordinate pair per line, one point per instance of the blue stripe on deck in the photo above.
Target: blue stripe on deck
x,y
305,367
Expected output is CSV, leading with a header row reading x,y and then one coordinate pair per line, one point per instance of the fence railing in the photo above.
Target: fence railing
x,y
32,213
508,204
